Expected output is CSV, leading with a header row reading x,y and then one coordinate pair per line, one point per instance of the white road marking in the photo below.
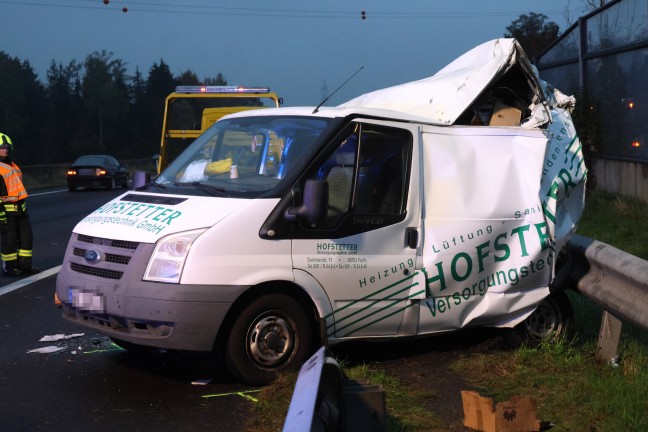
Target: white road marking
x,y
28,280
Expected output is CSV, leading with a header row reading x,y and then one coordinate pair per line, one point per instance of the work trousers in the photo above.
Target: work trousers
x,y
16,242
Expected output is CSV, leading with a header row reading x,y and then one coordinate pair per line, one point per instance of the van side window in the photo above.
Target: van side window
x,y
382,174
367,173
339,171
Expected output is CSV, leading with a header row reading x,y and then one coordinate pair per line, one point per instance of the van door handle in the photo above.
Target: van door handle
x,y
411,237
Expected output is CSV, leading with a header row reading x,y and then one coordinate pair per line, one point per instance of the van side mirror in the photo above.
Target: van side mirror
x,y
140,179
314,204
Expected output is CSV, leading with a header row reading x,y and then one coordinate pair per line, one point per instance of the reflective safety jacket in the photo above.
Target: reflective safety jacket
x,y
12,177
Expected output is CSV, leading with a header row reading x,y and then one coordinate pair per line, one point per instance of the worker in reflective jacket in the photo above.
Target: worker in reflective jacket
x,y
15,229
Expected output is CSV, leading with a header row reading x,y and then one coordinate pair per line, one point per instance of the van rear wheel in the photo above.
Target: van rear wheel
x,y
553,320
271,334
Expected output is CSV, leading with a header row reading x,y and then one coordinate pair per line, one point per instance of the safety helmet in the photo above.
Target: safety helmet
x,y
5,141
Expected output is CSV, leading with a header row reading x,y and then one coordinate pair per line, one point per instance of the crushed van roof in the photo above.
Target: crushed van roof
x,y
445,96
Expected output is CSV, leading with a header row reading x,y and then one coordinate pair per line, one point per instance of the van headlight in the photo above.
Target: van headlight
x,y
169,256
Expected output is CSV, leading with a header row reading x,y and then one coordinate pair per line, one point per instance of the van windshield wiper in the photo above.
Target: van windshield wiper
x,y
211,190
157,185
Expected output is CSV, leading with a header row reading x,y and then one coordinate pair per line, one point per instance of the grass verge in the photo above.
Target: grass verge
x,y
405,411
573,390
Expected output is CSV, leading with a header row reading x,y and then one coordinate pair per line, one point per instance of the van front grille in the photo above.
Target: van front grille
x,y
122,244
113,256
95,271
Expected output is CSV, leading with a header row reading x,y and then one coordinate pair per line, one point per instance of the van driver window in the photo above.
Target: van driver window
x,y
367,173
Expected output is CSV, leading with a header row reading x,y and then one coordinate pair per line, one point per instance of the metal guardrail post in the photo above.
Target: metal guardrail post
x,y
608,340
324,400
315,404
616,280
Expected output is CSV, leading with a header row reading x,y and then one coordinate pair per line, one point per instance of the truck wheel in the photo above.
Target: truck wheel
x,y
271,334
552,321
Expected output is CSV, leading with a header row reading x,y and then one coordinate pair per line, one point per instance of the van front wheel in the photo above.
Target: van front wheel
x,y
271,334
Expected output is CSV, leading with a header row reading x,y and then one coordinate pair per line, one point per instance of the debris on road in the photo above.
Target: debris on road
x,y
52,349
60,336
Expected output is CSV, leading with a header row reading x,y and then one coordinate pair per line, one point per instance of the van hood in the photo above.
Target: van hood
x,y
145,217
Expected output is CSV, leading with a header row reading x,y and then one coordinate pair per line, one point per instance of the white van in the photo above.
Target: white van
x,y
423,208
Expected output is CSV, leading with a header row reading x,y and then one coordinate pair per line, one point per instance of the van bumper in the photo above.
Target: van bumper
x,y
190,321
161,315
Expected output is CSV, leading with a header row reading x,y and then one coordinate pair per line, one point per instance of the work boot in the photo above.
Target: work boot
x,y
14,272
30,270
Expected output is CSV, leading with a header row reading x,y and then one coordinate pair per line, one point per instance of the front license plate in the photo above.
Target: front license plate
x,y
87,300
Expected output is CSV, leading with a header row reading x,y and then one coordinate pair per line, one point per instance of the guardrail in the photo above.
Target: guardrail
x,y
325,400
618,282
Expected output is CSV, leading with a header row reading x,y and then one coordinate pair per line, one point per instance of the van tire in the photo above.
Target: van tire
x,y
271,334
551,322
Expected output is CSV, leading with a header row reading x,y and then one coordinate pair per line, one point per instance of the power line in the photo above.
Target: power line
x,y
194,9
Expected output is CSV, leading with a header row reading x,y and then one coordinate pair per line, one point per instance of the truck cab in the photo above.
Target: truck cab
x,y
190,110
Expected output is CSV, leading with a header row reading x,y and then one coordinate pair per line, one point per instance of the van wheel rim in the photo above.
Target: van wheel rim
x,y
270,340
544,323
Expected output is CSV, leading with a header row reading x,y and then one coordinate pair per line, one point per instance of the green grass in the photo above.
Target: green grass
x,y
269,413
405,412
618,221
573,390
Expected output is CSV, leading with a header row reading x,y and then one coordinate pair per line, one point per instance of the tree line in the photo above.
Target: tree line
x,y
96,107
89,107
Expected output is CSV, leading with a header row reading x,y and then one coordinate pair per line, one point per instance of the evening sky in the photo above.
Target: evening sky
x,y
301,49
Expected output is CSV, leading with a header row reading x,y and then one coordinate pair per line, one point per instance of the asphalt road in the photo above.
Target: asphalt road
x,y
92,384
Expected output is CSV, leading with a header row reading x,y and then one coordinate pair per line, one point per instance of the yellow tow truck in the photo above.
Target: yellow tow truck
x,y
190,110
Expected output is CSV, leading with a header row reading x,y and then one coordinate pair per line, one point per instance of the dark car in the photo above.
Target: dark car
x,y
97,171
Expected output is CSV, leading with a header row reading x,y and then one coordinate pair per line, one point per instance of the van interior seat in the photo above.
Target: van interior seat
x,y
340,180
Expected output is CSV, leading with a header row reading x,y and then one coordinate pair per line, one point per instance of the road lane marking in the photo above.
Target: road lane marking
x,y
28,280
47,193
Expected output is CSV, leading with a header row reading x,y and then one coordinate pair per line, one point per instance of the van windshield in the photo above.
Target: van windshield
x,y
245,156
